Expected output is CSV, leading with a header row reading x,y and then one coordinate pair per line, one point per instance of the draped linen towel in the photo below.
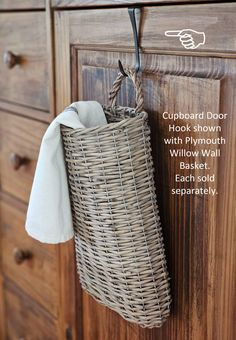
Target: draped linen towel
x,y
49,217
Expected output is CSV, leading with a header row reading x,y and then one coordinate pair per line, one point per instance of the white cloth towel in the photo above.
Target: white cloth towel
x,y
49,218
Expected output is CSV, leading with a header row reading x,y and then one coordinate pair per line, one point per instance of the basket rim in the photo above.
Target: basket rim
x,y
140,116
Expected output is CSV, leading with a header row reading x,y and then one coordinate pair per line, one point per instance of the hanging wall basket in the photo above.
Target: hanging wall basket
x,y
118,237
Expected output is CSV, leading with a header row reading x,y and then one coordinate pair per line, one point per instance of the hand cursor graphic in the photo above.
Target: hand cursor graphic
x,y
189,39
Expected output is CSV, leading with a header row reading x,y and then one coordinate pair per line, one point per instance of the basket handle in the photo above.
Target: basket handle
x,y
137,85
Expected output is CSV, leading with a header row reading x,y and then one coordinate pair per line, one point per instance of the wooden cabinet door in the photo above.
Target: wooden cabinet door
x,y
25,318
199,229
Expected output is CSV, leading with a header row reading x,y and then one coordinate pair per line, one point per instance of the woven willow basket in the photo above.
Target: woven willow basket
x,y
118,237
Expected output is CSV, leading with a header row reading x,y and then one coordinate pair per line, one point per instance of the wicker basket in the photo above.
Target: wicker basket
x,y
118,237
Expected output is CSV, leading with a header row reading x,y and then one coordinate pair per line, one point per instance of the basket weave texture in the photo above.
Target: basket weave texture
x,y
118,238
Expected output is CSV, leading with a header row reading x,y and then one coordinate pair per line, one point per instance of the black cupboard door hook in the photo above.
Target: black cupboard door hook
x,y
133,13
121,68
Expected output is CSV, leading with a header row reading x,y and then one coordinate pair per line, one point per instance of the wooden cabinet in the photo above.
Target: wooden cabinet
x,y
36,280
199,230
71,53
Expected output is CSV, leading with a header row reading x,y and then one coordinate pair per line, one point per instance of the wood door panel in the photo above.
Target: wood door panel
x,y
25,319
100,323
199,231
192,234
96,81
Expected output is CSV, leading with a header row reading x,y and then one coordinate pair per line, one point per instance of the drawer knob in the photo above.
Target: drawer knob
x,y
21,255
17,161
10,59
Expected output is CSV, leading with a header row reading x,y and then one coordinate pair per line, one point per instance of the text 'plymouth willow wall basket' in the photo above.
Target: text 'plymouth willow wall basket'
x,y
118,237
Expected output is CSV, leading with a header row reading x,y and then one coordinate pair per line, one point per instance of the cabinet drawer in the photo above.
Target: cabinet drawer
x,y
25,319
23,59
20,140
30,264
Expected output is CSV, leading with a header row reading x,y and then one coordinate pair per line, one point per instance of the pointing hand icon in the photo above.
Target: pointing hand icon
x,y
189,38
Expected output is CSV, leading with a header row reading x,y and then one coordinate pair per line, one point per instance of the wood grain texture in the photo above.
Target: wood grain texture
x,y
38,276
69,309
27,83
2,304
39,302
104,324
26,111
214,20
19,136
22,4
35,324
94,3
50,57
2,309
63,83
199,231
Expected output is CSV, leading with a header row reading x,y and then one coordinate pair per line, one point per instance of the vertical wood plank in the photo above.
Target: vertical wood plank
x,y
2,309
67,283
62,51
60,87
51,57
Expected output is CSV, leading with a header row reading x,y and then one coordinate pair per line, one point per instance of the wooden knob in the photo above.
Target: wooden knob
x,y
21,255
10,59
17,161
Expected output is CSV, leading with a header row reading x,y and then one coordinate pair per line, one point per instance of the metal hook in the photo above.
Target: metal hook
x,y
132,14
122,71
